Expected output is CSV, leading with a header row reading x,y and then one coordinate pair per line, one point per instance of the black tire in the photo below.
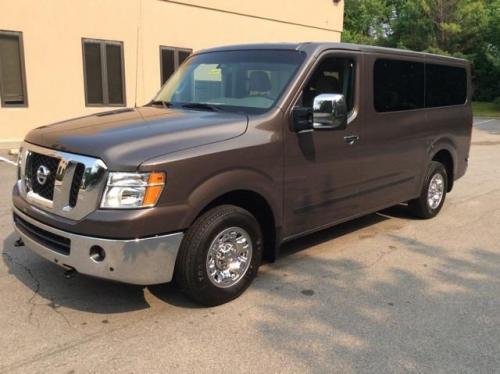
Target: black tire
x,y
191,273
421,207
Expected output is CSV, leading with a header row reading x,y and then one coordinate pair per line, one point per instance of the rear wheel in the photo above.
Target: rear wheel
x,y
220,255
433,194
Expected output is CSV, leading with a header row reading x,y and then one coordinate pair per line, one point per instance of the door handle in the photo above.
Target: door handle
x,y
351,139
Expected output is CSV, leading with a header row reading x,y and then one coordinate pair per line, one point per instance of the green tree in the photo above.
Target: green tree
x,y
462,28
365,21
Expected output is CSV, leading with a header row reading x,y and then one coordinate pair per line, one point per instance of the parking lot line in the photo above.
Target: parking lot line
x,y
483,122
8,161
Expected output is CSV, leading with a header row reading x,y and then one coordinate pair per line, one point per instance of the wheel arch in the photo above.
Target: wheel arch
x,y
446,155
249,190
260,209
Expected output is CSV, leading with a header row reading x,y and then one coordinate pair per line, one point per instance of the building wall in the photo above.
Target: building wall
x,y
53,30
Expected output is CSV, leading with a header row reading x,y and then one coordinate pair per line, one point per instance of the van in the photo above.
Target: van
x,y
244,148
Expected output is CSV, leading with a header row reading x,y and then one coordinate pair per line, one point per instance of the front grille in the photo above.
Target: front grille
x,y
52,241
71,184
75,184
36,160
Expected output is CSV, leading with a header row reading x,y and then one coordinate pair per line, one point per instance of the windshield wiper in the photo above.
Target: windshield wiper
x,y
203,106
165,104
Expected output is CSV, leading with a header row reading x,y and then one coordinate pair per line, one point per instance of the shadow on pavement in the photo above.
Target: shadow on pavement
x,y
80,292
100,296
168,293
337,231
329,234
435,316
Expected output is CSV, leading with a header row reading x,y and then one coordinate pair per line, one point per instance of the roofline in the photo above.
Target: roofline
x,y
318,47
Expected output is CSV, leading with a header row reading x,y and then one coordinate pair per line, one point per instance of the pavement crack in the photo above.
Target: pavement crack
x,y
35,282
70,345
55,307
379,258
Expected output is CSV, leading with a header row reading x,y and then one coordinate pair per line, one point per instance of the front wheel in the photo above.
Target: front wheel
x,y
219,256
433,193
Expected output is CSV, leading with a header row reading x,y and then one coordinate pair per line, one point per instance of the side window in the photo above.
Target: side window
x,y
398,85
333,75
104,74
171,58
12,75
445,85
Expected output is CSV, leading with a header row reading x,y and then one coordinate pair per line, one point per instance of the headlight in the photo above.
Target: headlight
x,y
132,190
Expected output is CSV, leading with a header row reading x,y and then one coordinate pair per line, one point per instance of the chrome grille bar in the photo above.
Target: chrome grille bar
x,y
89,191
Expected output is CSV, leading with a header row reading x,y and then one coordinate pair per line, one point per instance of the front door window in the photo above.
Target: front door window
x,y
332,76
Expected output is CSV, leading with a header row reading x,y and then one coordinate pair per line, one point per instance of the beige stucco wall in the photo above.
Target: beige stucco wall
x,y
53,31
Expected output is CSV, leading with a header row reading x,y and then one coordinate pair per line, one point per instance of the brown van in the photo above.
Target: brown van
x,y
244,148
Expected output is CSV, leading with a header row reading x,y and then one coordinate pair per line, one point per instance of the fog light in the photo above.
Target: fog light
x,y
97,253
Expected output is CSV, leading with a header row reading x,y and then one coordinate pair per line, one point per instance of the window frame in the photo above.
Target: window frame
x,y
348,98
358,59
401,59
19,35
425,62
176,51
284,97
467,84
104,72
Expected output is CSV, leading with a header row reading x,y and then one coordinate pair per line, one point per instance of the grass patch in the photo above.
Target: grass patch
x,y
482,109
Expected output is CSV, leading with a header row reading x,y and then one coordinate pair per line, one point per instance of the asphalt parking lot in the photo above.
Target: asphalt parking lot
x,y
385,293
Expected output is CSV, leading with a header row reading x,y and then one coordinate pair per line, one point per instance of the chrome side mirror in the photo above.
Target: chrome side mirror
x,y
329,112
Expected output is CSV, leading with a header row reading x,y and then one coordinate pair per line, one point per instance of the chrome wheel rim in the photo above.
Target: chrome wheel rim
x,y
229,257
435,192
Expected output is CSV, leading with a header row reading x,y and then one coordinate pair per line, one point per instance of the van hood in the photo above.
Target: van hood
x,y
125,138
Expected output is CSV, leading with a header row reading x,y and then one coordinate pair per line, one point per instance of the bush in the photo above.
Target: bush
x,y
497,102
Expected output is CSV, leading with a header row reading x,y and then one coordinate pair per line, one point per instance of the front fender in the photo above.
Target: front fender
x,y
230,181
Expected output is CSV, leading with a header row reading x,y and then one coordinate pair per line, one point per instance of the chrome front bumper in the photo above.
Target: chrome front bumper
x,y
139,261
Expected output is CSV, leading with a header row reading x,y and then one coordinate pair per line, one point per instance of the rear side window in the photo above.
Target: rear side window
x,y
398,85
445,86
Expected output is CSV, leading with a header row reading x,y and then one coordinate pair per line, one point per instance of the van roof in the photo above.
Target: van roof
x,y
318,47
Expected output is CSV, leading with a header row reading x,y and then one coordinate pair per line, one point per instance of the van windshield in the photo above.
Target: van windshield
x,y
251,81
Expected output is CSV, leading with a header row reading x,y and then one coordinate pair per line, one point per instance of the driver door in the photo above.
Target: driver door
x,y
322,167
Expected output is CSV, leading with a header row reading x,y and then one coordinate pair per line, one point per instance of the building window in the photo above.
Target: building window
x,y
12,73
104,73
171,58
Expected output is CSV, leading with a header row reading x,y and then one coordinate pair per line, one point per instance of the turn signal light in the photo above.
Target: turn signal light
x,y
156,181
